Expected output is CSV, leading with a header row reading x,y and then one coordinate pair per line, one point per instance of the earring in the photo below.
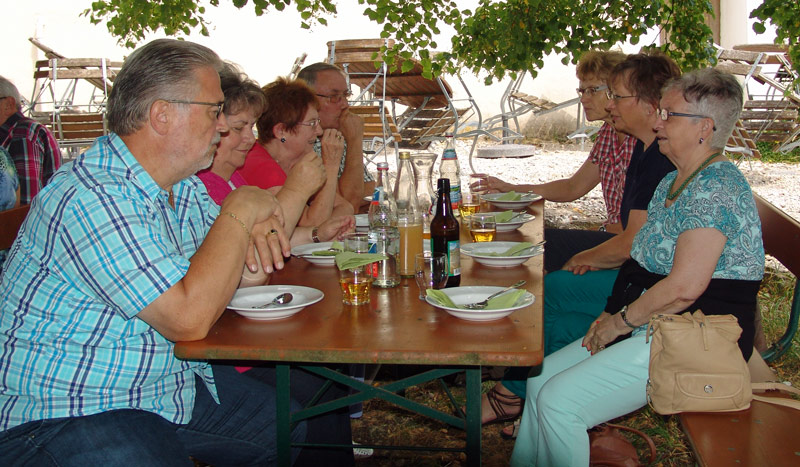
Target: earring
x,y
701,140
283,140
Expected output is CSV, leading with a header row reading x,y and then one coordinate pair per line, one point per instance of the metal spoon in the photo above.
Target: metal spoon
x,y
281,299
482,304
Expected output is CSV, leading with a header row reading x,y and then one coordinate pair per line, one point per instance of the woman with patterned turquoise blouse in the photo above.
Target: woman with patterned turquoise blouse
x,y
9,187
700,248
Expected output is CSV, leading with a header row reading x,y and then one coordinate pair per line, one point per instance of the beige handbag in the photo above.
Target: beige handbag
x,y
696,364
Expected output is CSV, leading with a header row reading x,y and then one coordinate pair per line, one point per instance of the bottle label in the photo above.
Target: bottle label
x,y
449,154
455,196
453,257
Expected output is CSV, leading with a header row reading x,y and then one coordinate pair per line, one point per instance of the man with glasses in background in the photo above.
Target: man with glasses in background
x,y
330,86
32,147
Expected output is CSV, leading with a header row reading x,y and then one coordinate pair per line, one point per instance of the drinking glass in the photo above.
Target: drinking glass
x,y
479,184
482,227
356,284
356,242
470,204
430,270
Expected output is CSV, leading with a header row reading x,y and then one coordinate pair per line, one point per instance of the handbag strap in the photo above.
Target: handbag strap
x,y
763,387
649,440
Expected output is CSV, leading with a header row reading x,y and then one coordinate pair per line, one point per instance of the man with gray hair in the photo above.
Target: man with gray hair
x,y
123,254
330,86
33,148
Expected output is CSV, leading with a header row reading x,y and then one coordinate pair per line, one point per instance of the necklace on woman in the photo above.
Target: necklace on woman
x,y
674,194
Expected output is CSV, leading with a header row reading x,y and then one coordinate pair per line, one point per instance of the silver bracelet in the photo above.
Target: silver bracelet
x,y
624,313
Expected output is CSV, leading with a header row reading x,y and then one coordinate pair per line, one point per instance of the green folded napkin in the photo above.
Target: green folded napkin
x,y
352,260
503,217
325,253
335,249
510,196
506,300
513,251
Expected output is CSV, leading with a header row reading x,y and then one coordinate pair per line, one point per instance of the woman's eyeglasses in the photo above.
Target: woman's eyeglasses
x,y
664,114
336,98
613,97
311,123
591,90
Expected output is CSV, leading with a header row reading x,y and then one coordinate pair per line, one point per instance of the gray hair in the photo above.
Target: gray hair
x,y
714,93
309,73
7,89
162,69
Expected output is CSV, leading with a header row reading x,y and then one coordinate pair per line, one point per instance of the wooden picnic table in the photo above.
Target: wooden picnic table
x,y
394,328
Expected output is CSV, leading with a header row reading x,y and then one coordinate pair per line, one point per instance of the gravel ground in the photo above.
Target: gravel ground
x,y
774,181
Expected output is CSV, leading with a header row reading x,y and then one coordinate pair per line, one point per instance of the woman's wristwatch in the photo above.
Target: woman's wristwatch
x,y
314,237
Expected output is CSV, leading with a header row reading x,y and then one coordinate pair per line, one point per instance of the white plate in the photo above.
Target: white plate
x,y
516,221
478,251
472,294
306,252
523,202
362,222
245,299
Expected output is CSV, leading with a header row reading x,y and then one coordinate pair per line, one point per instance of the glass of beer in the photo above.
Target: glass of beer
x,y
482,227
469,205
430,271
356,284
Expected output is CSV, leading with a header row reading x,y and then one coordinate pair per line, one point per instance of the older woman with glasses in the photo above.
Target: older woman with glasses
x,y
284,156
244,103
700,248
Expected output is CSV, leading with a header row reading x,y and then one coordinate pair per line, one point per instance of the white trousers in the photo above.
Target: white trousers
x,y
575,392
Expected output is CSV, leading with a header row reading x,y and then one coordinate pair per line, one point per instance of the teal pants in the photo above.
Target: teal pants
x,y
575,392
571,303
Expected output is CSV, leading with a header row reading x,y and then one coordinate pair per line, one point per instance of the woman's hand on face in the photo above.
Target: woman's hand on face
x,y
307,176
271,245
332,148
335,228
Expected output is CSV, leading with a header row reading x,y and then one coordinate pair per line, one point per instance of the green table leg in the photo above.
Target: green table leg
x,y
283,415
473,416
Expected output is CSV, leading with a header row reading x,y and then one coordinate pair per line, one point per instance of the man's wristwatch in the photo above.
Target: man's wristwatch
x,y
314,237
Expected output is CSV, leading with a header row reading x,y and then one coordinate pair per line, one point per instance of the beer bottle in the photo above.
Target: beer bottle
x,y
445,233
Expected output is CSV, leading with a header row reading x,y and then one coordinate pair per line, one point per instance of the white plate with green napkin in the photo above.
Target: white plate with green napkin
x,y
510,220
501,254
318,253
511,200
247,300
499,307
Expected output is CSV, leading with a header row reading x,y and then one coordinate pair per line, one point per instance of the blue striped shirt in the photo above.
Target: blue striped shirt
x,y
101,243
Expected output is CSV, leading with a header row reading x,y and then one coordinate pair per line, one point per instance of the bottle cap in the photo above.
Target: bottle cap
x,y
405,155
383,165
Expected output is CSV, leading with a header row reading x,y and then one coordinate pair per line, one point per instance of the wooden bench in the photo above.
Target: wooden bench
x,y
765,434
10,222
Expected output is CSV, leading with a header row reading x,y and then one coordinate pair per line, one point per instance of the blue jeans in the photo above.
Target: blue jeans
x,y
238,431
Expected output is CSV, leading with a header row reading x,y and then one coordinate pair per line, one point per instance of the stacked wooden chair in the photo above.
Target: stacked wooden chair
x,y
70,96
431,109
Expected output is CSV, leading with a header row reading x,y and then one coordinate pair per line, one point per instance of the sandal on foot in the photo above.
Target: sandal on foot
x,y
497,401
514,431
